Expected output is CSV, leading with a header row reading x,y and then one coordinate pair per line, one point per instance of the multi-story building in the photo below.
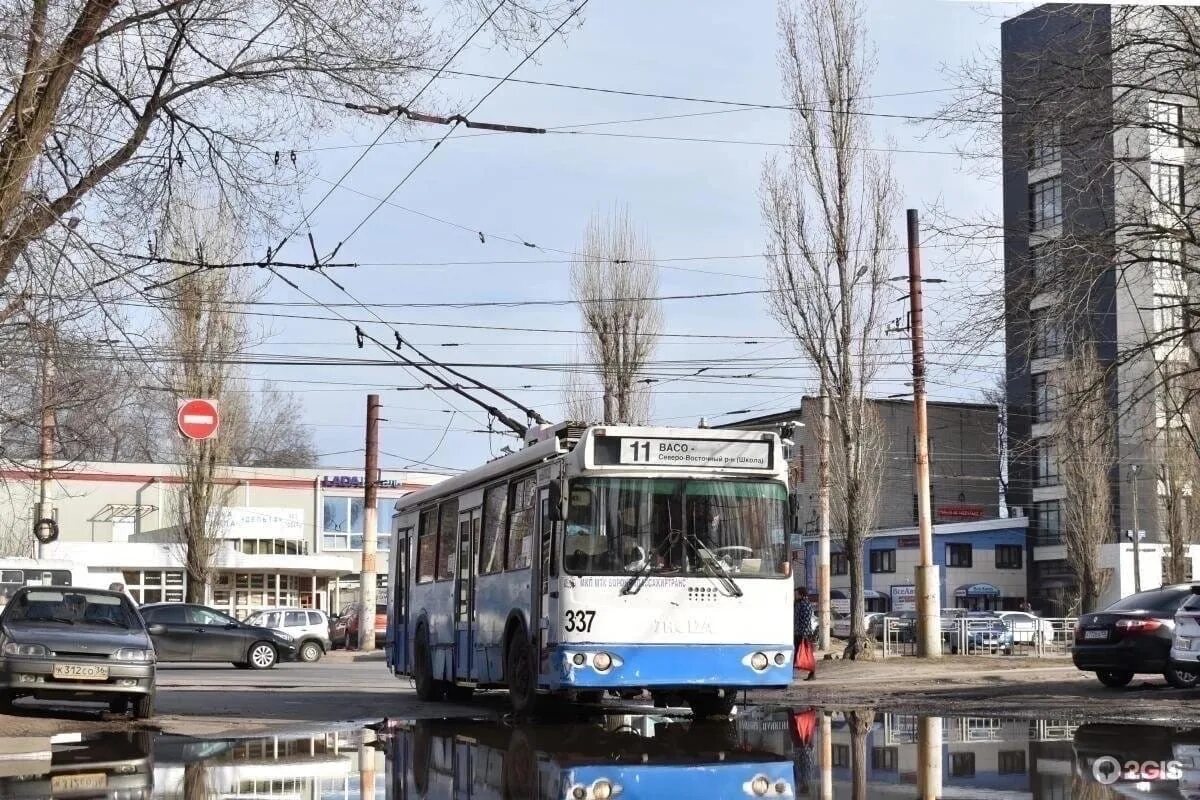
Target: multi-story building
x,y
964,460
1094,166
288,536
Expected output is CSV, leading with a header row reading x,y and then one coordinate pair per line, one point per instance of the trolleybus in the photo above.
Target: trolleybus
x,y
602,558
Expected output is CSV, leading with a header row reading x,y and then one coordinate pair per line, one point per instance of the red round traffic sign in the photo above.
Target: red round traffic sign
x,y
198,419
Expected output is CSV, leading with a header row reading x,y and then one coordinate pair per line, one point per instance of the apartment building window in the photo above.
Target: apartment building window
x,y
1045,145
962,765
1166,124
1045,204
840,756
958,555
885,759
838,564
1010,556
1011,762
1047,522
883,561
1043,262
1046,466
1168,260
1045,398
1048,336
1170,403
1166,180
1168,314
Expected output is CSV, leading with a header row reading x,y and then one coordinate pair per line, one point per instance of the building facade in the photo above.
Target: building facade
x,y
964,460
287,536
1091,162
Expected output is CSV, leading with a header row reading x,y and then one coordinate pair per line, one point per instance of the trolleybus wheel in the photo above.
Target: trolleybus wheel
x,y
427,687
522,682
712,704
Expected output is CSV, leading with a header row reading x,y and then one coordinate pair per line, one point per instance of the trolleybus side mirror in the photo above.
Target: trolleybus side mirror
x,y
557,513
1195,589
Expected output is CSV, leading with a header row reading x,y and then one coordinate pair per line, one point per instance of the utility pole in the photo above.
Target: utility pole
x,y
929,629
1136,533
823,596
366,578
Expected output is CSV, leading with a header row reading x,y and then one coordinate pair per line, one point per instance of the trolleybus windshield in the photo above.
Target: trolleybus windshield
x,y
622,526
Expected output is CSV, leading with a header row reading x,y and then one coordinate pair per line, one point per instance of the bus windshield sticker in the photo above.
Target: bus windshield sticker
x,y
696,453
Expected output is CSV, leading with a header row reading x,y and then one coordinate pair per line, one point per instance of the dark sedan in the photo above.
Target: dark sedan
x,y
61,642
1133,636
197,633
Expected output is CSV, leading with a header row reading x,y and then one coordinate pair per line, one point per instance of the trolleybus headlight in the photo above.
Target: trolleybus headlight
x,y
760,785
779,659
579,659
759,661
602,790
781,787
602,662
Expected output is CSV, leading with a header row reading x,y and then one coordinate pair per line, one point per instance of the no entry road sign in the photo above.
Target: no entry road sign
x,y
198,419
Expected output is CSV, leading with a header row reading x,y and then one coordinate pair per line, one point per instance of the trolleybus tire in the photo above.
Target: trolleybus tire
x,y
706,705
519,674
427,688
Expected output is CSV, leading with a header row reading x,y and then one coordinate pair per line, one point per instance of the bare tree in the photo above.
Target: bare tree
x,y
828,211
581,399
615,283
272,432
207,338
1084,443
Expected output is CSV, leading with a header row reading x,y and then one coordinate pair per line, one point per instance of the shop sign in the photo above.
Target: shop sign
x,y
355,482
257,523
904,598
960,512
977,590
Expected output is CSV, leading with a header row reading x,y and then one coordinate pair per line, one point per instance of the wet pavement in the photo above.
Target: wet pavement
x,y
762,752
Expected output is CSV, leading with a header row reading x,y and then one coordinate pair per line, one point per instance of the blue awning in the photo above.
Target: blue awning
x,y
977,590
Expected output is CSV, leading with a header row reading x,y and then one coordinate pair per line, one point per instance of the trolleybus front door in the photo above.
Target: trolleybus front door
x,y
464,593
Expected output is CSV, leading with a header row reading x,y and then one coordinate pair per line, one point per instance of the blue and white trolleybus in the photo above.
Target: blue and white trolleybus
x,y
602,558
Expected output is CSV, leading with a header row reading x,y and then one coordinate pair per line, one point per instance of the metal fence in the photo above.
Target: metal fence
x,y
1044,638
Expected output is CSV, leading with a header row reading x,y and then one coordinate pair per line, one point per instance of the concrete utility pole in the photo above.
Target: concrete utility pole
x,y
823,597
929,629
1136,533
366,578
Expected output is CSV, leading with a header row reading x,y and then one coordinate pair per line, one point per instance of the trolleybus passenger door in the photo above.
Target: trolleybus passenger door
x,y
398,583
545,593
464,593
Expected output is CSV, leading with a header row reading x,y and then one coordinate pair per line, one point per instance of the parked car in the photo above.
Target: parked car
x,y
1028,628
840,627
110,764
1133,636
61,642
343,631
1185,645
904,627
307,626
986,631
196,633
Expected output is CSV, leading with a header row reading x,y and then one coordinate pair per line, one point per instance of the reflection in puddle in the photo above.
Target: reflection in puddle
x,y
769,753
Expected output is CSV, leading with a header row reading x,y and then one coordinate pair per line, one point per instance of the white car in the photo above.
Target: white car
x,y
307,626
841,624
1027,628
1185,646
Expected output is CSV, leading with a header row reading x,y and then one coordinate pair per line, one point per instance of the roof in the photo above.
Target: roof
x,y
795,413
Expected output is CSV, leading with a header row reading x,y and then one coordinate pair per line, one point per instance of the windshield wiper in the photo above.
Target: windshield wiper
x,y
713,566
638,579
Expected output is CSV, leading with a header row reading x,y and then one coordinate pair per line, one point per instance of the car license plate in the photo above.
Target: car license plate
x,y
1101,634
81,672
83,782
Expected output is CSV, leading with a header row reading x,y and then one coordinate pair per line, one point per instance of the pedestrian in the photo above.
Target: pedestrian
x,y
805,632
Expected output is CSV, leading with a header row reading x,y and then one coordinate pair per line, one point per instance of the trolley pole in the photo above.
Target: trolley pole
x,y
823,596
929,633
366,618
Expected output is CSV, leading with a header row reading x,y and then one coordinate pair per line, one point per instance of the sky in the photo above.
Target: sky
x,y
697,202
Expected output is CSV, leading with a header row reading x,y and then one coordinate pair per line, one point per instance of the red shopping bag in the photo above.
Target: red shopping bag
x,y
804,725
806,659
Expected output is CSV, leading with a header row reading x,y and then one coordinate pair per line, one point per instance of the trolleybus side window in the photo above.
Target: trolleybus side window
x,y
446,536
495,515
520,524
427,546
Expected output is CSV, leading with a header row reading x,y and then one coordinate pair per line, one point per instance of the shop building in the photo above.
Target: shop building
x,y
982,566
287,536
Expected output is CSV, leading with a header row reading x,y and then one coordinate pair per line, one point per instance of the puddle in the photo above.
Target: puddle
x,y
765,752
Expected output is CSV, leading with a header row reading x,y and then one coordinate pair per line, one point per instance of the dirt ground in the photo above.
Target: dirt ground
x,y
343,689
1014,687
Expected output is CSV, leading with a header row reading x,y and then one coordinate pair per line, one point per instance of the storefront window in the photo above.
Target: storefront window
x,y
154,585
343,523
